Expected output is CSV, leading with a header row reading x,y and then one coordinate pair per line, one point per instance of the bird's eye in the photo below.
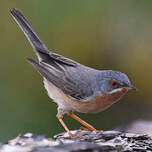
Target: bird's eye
x,y
114,84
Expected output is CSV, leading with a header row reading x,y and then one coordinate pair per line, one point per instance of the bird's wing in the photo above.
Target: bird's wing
x,y
54,67
76,86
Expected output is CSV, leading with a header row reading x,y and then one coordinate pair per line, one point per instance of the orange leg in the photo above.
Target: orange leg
x,y
90,128
66,128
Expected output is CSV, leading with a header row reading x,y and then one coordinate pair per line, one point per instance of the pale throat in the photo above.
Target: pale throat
x,y
116,94
116,90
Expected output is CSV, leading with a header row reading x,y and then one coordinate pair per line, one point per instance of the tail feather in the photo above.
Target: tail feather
x,y
33,38
39,47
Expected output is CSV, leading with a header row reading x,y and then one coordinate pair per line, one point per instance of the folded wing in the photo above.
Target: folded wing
x,y
76,86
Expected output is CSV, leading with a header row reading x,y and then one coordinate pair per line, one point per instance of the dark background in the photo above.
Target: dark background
x,y
98,33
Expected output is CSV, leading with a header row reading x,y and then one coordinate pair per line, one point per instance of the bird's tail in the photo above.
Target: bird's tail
x,y
33,38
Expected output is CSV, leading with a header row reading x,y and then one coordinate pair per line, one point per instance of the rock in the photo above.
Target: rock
x,y
106,141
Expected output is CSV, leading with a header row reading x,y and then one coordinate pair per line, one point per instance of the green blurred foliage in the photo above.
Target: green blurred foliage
x,y
103,34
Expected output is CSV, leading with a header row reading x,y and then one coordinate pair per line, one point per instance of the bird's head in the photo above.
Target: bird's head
x,y
113,81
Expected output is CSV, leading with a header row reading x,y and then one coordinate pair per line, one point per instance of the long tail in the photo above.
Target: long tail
x,y
33,38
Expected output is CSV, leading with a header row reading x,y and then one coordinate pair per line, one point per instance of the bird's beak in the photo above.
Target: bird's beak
x,y
132,87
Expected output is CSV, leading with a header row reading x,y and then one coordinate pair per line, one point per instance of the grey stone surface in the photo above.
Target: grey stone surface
x,y
107,141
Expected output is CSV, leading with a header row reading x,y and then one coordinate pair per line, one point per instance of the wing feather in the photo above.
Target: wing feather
x,y
73,86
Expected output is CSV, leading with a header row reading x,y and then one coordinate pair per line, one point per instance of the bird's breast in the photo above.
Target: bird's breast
x,y
97,104
102,102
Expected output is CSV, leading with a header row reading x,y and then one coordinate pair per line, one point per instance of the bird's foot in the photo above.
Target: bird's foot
x,y
92,130
76,136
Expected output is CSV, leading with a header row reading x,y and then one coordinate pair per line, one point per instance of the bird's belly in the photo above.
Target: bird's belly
x,y
67,103
63,101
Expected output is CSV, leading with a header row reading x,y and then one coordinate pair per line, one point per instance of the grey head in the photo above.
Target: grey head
x,y
108,81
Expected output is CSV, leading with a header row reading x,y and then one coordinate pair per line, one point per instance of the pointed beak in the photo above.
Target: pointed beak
x,y
132,87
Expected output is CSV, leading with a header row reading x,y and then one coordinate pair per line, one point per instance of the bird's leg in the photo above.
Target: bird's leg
x,y
60,118
89,127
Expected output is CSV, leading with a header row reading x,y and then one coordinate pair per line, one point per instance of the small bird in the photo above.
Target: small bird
x,y
73,86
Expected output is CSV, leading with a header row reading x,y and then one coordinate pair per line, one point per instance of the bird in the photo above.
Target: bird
x,y
72,86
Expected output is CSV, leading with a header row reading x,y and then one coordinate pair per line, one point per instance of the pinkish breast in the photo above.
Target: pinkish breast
x,y
100,103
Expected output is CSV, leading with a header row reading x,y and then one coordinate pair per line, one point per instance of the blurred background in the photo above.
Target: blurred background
x,y
98,33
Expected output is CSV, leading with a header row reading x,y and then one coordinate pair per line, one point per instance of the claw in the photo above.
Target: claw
x,y
87,129
84,129
76,136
